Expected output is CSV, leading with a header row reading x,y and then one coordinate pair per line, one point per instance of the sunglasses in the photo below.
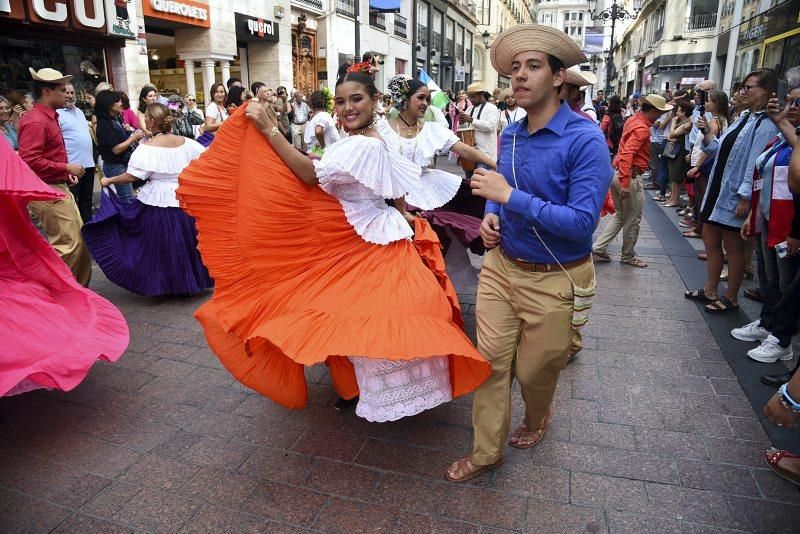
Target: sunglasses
x,y
190,99
747,88
795,103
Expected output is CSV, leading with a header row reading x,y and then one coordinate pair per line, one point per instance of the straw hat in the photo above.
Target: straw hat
x,y
537,38
49,76
477,87
505,93
658,102
575,76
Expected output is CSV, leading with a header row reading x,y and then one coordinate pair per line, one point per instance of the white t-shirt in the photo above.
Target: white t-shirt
x,y
485,119
509,117
324,119
218,113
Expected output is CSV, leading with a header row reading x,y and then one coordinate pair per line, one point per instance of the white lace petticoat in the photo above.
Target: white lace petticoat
x,y
393,389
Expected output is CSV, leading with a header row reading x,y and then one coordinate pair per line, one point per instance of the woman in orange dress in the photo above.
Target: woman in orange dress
x,y
312,266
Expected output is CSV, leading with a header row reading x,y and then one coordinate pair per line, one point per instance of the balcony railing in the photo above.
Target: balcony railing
x,y
400,26
346,8
437,41
702,22
378,20
317,4
422,35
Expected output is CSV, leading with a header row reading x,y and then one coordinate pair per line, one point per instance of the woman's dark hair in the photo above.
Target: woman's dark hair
x,y
318,100
104,101
235,96
16,97
687,107
768,80
126,102
214,88
614,104
720,99
255,86
362,78
147,89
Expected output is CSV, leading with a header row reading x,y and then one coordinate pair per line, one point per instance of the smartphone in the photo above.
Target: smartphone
x,y
702,107
781,90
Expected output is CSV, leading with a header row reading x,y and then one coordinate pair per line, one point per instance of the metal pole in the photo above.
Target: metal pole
x,y
357,9
611,47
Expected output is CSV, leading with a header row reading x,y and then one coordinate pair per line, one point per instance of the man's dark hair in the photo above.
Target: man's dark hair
x,y
39,87
318,100
232,81
363,79
646,107
104,101
555,63
614,104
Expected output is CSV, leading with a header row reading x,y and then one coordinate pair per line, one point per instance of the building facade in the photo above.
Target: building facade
x,y
494,16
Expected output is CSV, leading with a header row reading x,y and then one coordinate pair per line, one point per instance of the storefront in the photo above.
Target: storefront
x,y
83,38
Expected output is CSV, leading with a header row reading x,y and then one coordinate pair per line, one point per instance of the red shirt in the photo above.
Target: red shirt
x,y
41,144
634,148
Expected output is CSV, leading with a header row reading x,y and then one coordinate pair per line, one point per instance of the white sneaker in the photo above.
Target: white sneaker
x,y
770,351
750,332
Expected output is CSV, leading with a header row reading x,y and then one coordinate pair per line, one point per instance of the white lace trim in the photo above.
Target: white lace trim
x,y
393,389
367,161
376,222
435,189
148,159
431,140
159,193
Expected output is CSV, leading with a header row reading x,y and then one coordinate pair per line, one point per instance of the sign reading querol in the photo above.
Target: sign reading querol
x,y
254,29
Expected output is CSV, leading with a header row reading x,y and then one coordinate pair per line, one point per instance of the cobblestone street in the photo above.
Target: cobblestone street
x,y
652,433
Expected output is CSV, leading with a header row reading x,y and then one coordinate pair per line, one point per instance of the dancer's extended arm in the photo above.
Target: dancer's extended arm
x,y
265,121
473,154
123,178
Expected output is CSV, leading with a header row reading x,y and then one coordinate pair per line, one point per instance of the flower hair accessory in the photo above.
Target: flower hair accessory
x,y
399,89
363,67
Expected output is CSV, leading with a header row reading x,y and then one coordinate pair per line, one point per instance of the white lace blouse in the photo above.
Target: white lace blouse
x,y
160,166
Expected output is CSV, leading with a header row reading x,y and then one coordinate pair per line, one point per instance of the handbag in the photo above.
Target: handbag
x,y
671,149
205,138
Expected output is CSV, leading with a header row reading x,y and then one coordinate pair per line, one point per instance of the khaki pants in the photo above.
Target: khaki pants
x,y
628,218
297,135
61,222
525,331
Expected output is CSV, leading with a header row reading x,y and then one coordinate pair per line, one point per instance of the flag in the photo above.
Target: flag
x,y
438,97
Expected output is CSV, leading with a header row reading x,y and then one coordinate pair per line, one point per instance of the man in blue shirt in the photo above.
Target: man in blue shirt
x,y
538,278
78,140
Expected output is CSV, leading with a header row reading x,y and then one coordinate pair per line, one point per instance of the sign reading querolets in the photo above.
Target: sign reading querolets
x,y
255,29
186,12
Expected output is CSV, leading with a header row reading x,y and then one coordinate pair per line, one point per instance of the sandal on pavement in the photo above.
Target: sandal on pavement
x,y
531,437
660,198
691,234
463,469
773,458
699,295
722,305
702,256
635,262
601,257
651,186
754,294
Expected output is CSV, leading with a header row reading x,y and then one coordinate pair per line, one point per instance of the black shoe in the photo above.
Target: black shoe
x,y
344,405
776,381
754,294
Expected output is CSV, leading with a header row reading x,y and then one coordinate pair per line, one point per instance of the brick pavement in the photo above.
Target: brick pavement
x,y
651,433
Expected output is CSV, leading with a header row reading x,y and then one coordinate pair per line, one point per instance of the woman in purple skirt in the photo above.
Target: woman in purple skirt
x,y
149,247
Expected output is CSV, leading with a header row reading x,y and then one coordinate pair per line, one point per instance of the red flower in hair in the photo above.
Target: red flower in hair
x,y
364,67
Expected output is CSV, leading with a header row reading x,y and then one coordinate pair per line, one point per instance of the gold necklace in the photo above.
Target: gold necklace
x,y
409,127
364,129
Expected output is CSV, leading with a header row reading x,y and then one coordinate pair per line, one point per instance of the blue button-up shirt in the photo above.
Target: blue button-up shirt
x,y
77,139
562,176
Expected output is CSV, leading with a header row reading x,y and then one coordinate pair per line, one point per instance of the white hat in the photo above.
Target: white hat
x,y
49,76
536,38
579,78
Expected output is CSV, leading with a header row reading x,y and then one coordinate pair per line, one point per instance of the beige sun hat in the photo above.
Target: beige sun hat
x,y
579,78
48,75
477,87
657,101
534,37
505,93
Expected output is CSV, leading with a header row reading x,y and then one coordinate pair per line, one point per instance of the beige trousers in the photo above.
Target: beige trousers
x,y
298,131
61,222
525,331
628,218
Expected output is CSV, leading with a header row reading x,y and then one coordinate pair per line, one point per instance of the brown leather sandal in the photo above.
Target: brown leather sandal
x,y
460,470
773,458
535,436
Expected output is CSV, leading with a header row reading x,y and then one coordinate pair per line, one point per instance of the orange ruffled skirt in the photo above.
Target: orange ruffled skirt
x,y
295,285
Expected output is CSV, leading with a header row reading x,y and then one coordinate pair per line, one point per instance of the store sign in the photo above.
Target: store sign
x,y
255,29
186,12
98,16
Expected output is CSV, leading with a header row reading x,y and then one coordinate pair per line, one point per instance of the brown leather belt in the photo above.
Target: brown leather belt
x,y
544,267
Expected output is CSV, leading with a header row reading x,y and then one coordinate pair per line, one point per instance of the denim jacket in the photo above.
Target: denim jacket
x,y
737,176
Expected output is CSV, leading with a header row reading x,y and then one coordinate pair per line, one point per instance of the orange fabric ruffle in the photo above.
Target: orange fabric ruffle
x,y
295,285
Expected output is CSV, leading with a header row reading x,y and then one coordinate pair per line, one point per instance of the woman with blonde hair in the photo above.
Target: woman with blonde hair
x,y
149,246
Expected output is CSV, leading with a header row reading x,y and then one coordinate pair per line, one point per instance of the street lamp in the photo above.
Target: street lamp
x,y
594,60
485,37
614,13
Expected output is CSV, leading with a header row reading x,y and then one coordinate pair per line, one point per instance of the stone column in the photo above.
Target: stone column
x,y
189,67
208,78
226,70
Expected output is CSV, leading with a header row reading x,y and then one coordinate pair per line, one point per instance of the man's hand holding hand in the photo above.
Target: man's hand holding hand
x,y
490,230
491,186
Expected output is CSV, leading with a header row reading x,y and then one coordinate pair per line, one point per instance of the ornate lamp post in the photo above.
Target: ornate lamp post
x,y
613,13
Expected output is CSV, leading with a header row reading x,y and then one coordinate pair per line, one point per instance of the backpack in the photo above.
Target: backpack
x,y
617,123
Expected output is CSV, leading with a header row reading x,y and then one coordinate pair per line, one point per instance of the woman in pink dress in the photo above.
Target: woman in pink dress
x,y
52,329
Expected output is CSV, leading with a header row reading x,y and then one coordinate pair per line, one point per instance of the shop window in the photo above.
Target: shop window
x,y
86,64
